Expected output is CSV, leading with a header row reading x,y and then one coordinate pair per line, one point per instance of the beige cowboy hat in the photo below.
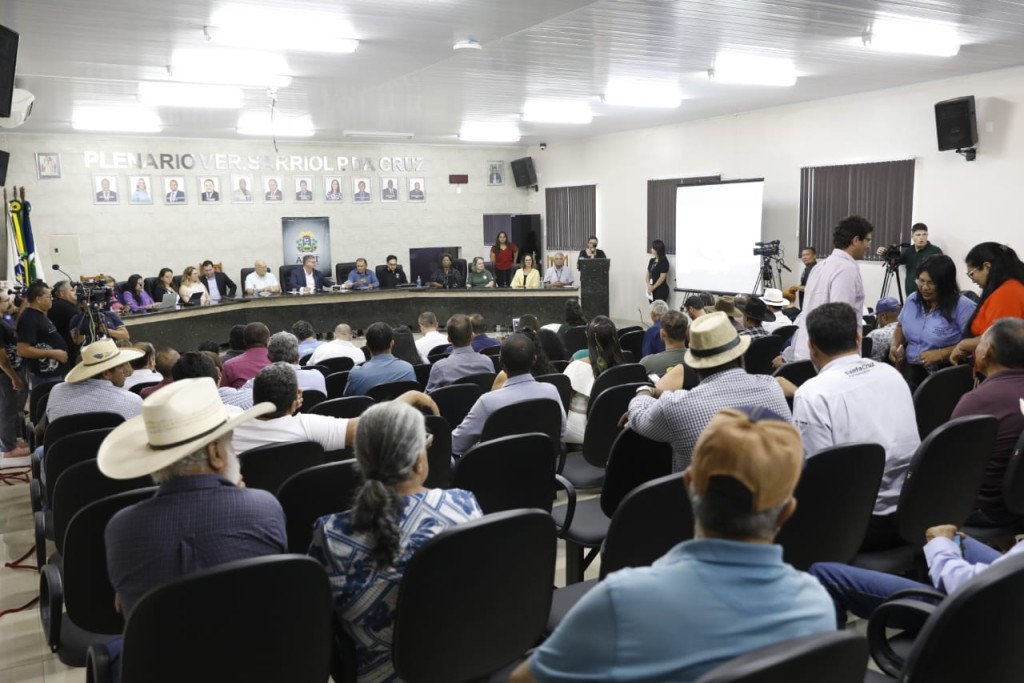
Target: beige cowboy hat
x,y
100,356
714,341
727,305
178,420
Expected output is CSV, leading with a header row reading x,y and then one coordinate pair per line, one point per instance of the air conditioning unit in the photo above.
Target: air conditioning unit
x,y
21,109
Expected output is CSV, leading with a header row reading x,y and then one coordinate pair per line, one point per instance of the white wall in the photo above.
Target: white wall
x,y
963,203
123,239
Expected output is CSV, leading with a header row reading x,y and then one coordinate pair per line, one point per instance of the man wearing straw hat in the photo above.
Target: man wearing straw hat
x,y
97,383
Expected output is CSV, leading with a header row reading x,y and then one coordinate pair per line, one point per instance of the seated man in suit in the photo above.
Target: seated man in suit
x,y
309,279
393,275
219,285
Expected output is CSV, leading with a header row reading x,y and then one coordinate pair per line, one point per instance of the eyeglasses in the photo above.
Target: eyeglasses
x,y
972,271
924,284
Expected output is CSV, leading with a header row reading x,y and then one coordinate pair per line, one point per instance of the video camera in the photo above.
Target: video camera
x,y
18,294
93,294
766,248
894,252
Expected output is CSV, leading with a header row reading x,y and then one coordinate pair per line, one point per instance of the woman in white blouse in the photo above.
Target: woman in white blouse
x,y
190,284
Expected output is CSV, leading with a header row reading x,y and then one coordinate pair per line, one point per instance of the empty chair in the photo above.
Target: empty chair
x,y
439,454
310,399
282,634
391,390
838,657
620,374
562,383
541,414
937,396
575,339
347,407
763,350
633,342
63,453
314,492
267,467
337,364
422,371
484,380
80,422
336,382
632,461
603,422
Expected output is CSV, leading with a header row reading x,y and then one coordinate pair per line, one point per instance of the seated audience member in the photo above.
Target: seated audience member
x,y
559,274
776,304
405,346
480,339
365,550
306,335
261,282
479,277
755,314
887,313
694,307
283,347
191,285
430,338
241,369
652,335
236,343
527,277
393,275
673,329
306,280
447,276
84,331
678,417
542,364
727,305
135,297
856,400
196,364
710,599
603,352
201,516
164,284
999,273
96,384
790,311
573,316
517,357
463,360
340,347
143,367
165,360
361,277
382,367
39,341
218,284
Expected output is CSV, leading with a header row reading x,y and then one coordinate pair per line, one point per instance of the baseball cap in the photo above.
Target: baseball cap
x,y
887,304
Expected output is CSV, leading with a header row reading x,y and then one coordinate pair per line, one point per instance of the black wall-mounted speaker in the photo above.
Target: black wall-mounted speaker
x,y
5,157
8,57
525,174
956,124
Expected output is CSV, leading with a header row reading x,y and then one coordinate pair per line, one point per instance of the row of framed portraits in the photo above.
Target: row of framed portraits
x,y
175,190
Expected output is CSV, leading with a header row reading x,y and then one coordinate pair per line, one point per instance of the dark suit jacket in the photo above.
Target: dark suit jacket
x,y
175,196
210,196
297,279
111,196
224,284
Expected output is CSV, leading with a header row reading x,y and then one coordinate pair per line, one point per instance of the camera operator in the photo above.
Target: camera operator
x,y
13,385
911,255
94,319
38,340
65,307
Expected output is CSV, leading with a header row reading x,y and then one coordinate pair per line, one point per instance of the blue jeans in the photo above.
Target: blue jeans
x,y
860,591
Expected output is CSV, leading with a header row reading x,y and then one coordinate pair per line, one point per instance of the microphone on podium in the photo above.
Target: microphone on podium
x,y
57,268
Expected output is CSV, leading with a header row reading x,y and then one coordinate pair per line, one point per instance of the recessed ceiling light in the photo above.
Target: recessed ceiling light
x,y
287,28
192,95
547,111
232,67
467,44
252,123
377,134
907,36
745,69
116,119
640,94
489,132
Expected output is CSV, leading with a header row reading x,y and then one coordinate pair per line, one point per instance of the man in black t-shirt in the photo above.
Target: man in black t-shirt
x,y
38,340
65,307
13,388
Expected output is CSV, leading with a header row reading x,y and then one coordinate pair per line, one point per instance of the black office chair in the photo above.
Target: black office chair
x,y
305,359
785,332
80,422
836,657
633,342
493,350
439,349
455,401
439,455
337,364
623,331
311,398
563,384
346,407
149,284
137,388
284,274
575,339
316,368
63,453
341,270
796,372
1013,501
763,350
603,421
484,380
282,634
241,279
540,414
560,365
36,401
336,382
455,574
937,396
267,467
627,373
392,390
867,345
309,494
496,362
422,371
835,497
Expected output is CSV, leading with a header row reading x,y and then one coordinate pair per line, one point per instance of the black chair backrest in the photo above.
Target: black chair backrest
x,y
267,467
455,400
149,284
562,383
336,382
347,407
509,473
944,476
835,497
484,380
866,346
341,270
633,342
244,273
758,358
69,450
391,390
439,455
316,368
284,274
137,388
308,495
1013,480
963,623
496,362
305,359
440,348
493,350
422,371
560,365
311,398
796,372
633,460
537,415
623,331
937,396
650,520
70,424
456,574
36,398
627,373
785,332
575,339
603,422
337,364
79,485
282,634
88,595
434,357
836,657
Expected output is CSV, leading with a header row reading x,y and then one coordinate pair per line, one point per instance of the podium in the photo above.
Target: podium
x,y
594,286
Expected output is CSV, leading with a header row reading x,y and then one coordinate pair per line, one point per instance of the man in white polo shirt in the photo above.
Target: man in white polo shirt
x,y
340,347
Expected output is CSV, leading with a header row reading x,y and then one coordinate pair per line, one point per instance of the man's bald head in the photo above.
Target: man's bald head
x,y
343,332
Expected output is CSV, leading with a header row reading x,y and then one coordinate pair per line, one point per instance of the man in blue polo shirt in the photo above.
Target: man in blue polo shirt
x,y
710,599
382,366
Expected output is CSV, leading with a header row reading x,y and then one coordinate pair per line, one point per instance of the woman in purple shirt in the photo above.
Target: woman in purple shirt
x,y
135,297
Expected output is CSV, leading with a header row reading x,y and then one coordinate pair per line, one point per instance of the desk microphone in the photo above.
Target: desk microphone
x,y
57,268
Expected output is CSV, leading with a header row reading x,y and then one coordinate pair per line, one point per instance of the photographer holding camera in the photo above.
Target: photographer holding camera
x,y
95,319
911,255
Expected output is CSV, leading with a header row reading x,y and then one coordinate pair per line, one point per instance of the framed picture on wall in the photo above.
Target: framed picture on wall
x,y
272,189
241,189
209,189
361,190
332,189
140,189
303,191
417,190
48,166
174,190
105,188
389,189
495,173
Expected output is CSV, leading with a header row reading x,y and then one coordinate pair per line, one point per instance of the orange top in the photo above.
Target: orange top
x,y
1007,301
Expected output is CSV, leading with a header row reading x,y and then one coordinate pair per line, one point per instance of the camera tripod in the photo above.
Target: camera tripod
x,y
769,276
892,272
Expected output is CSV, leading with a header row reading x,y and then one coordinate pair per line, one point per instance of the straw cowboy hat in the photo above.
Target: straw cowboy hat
x,y
714,341
773,297
99,357
178,420
727,305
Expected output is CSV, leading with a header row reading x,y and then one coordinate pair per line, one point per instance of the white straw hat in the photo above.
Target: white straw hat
x,y
100,356
773,297
714,341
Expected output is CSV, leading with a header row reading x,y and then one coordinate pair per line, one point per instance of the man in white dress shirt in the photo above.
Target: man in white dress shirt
x,y
340,347
261,282
559,274
431,337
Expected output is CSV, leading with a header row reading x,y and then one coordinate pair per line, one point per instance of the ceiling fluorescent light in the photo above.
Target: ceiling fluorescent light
x,y
907,36
541,111
260,124
116,119
489,132
289,29
630,94
377,134
232,67
192,95
744,69
467,44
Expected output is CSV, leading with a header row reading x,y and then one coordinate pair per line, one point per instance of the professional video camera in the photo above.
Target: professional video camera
x,y
18,294
894,252
766,248
94,297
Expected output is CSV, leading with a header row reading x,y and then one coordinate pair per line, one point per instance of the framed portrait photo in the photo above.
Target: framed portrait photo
x,y
241,189
272,189
140,188
332,188
48,166
208,189
361,190
105,189
304,188
174,190
388,189
495,173
417,190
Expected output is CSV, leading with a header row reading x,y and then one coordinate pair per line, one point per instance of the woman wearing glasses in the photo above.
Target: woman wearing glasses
x,y
997,270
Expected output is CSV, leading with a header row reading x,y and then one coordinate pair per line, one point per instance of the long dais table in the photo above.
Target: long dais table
x,y
186,328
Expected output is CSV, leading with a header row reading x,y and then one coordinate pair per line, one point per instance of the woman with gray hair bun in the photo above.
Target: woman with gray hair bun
x,y
366,549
